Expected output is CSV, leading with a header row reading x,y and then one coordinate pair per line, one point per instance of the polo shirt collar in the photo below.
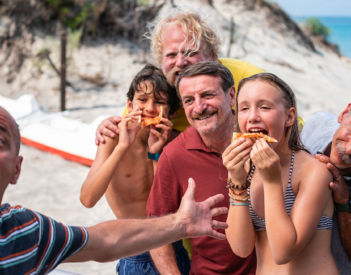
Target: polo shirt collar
x,y
194,141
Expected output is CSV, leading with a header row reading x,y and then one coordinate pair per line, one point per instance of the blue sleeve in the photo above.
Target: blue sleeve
x,y
57,242
33,243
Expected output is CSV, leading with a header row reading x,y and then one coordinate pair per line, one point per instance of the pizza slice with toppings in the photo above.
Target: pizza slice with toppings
x,y
146,121
253,136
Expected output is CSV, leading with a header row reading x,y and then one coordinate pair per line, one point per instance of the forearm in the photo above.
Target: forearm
x,y
281,232
121,238
165,260
99,178
344,220
240,232
154,166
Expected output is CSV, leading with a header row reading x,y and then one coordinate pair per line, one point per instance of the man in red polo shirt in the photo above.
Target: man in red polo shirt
x,y
206,90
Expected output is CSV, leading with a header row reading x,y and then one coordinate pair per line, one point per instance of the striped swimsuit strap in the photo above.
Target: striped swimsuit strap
x,y
289,199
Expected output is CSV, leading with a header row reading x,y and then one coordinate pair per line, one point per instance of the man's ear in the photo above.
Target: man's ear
x,y
343,113
17,169
232,95
291,117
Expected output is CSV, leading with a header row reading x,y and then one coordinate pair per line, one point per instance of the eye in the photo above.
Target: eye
x,y
141,99
2,142
244,108
209,96
161,102
192,53
265,107
187,101
171,55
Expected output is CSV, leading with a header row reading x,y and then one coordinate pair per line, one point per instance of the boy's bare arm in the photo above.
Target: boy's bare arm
x,y
107,158
107,128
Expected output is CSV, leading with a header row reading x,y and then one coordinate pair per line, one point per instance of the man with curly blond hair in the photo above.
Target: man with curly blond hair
x,y
178,41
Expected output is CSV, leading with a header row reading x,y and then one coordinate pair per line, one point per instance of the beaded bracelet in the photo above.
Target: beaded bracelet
x,y
235,192
240,197
238,204
232,186
245,199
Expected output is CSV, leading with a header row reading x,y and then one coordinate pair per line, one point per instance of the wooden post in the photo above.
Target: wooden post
x,y
209,2
63,36
231,36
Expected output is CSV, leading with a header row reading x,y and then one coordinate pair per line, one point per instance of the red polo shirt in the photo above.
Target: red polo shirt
x,y
187,156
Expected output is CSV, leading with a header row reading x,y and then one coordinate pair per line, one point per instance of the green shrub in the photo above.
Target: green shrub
x,y
73,15
316,27
143,2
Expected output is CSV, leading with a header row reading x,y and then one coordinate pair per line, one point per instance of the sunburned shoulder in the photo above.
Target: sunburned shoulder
x,y
312,168
311,160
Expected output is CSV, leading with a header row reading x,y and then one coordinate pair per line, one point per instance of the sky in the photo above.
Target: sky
x,y
316,7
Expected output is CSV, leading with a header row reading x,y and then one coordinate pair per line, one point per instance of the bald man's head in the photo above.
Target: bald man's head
x,y
9,125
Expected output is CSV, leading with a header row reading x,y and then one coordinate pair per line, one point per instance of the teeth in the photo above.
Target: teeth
x,y
258,131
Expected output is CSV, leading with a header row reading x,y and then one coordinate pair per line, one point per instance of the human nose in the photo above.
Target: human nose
x,y
253,115
200,105
149,106
181,60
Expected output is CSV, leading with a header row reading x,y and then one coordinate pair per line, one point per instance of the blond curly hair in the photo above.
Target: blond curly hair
x,y
198,33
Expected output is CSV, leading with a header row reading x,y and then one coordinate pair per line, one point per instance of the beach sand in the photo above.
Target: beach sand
x,y
51,185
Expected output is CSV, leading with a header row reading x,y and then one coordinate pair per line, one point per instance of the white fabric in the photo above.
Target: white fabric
x,y
52,129
318,131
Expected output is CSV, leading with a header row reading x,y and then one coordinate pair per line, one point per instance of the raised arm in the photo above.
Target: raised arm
x,y
107,158
288,235
121,238
160,134
341,196
240,232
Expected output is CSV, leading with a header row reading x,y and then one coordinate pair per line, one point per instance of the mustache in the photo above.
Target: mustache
x,y
204,113
343,155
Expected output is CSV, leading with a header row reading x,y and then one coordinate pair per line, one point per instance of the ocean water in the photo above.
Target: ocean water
x,y
340,31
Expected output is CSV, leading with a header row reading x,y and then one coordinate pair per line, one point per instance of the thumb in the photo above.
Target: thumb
x,y
190,191
332,186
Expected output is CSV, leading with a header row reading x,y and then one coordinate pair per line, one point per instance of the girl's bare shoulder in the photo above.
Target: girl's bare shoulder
x,y
311,168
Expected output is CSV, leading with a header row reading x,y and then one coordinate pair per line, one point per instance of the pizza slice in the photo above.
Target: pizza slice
x,y
253,136
146,121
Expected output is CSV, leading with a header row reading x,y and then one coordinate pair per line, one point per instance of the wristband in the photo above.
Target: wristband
x,y
343,207
153,156
239,204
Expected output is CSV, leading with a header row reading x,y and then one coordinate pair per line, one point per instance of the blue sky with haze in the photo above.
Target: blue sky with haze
x,y
316,7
